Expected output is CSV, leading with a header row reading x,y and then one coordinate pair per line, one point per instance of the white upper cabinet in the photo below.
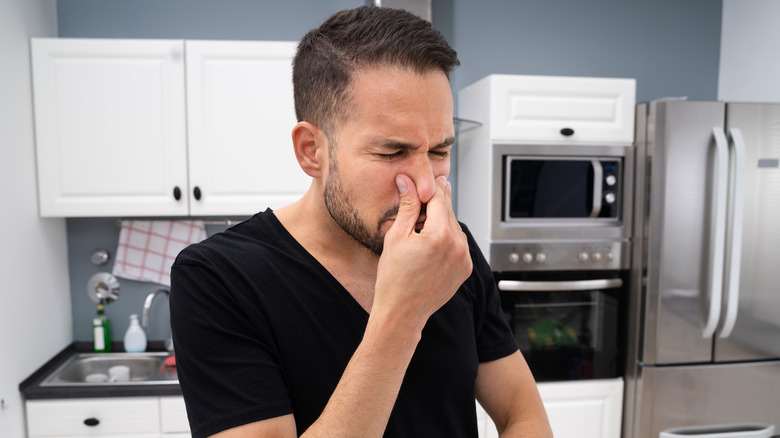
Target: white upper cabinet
x,y
239,118
553,109
110,127
164,127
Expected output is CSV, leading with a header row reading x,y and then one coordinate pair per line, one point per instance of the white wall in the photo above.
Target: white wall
x,y
35,316
750,51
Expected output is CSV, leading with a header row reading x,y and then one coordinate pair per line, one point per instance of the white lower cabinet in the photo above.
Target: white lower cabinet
x,y
579,409
131,417
173,417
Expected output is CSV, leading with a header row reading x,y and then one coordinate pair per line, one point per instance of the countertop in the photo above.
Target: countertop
x,y
31,387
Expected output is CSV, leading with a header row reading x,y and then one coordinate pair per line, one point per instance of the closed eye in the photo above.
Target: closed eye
x,y
392,156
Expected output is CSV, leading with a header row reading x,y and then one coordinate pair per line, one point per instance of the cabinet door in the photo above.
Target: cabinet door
x,y
110,127
585,408
562,110
93,417
173,415
240,118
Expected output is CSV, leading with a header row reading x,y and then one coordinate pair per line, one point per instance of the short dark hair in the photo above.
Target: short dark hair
x,y
367,36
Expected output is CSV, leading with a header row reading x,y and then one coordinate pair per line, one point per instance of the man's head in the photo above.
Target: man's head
x,y
365,37
373,100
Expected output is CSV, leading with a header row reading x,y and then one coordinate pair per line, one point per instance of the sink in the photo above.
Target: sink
x,y
145,368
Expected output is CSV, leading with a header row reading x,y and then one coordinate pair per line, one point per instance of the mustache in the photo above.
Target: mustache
x,y
393,212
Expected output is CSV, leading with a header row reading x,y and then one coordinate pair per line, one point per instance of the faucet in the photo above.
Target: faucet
x,y
147,310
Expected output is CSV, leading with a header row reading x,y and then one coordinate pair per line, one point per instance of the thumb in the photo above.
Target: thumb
x,y
409,207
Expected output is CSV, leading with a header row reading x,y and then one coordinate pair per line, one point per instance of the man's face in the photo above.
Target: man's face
x,y
400,122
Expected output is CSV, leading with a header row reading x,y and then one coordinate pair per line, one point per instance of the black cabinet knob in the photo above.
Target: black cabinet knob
x,y
567,132
196,193
176,193
92,422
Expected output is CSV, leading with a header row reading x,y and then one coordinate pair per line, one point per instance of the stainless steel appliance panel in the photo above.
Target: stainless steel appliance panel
x,y
680,156
707,395
756,332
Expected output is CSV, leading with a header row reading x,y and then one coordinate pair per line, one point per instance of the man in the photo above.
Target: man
x,y
363,309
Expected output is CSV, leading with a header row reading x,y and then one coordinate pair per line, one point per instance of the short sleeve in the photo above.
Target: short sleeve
x,y
494,336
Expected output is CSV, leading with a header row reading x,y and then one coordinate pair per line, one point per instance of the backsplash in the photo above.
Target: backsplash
x,y
85,235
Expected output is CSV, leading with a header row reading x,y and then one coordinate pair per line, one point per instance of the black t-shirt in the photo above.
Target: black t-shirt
x,y
262,329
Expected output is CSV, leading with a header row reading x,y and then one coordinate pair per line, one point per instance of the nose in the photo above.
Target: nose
x,y
424,178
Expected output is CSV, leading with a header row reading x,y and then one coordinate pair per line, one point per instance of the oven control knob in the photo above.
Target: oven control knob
x,y
541,257
528,257
610,256
609,197
596,256
514,257
610,180
584,257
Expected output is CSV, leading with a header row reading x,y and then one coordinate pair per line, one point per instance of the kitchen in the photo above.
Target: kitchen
x,y
682,60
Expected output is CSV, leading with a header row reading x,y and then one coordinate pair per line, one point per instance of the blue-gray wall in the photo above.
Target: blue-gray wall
x,y
671,47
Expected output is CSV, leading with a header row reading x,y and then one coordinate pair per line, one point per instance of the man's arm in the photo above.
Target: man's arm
x,y
507,390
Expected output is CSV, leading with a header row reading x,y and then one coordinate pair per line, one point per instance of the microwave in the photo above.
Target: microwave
x,y
550,207
561,188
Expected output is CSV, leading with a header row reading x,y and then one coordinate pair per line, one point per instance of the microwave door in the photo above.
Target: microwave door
x,y
552,188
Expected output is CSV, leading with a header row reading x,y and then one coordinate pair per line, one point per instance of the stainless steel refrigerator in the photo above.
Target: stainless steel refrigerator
x,y
704,332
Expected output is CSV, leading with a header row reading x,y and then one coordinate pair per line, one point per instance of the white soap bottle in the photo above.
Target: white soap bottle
x,y
135,338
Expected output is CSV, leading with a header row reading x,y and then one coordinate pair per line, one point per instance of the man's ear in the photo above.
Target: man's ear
x,y
310,145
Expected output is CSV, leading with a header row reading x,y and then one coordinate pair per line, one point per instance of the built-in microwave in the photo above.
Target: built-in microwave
x,y
556,207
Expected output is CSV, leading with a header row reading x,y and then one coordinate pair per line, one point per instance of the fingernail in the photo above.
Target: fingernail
x,y
401,184
442,180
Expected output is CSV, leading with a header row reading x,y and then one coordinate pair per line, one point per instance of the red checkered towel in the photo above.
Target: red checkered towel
x,y
147,249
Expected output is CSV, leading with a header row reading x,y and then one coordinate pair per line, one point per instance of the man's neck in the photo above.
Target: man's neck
x,y
350,263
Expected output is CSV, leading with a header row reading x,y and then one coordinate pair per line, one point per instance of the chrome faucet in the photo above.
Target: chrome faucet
x,y
147,310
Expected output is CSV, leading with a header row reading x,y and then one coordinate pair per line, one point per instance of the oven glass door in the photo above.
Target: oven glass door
x,y
568,327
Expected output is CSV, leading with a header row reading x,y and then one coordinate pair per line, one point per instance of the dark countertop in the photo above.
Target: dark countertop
x,y
31,387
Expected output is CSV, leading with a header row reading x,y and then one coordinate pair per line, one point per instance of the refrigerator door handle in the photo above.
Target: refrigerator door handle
x,y
598,176
717,234
731,298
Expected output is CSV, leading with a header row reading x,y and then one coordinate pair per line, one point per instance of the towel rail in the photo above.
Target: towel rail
x,y
226,222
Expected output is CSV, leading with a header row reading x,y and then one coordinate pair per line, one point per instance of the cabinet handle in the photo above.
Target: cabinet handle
x,y
176,193
91,422
568,132
196,193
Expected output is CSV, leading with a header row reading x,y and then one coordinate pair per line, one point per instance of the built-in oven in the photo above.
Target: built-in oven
x,y
557,234
570,325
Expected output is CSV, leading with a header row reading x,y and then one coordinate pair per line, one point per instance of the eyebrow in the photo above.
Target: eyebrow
x,y
400,145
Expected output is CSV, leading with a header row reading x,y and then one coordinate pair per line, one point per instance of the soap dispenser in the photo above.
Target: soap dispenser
x,y
135,338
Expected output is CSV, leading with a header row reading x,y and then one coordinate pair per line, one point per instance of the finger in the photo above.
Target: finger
x,y
409,207
439,208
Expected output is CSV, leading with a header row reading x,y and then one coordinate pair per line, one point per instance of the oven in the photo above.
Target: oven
x,y
570,325
557,237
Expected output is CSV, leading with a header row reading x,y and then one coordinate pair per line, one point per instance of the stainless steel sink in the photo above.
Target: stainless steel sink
x,y
145,368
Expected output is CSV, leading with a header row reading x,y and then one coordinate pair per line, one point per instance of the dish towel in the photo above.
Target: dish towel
x,y
147,249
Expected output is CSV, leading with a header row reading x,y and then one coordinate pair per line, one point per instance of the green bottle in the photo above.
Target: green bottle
x,y
101,332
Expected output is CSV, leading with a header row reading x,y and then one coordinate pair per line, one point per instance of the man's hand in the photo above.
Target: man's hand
x,y
419,272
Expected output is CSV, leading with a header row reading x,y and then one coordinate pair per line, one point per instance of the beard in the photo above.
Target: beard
x,y
343,212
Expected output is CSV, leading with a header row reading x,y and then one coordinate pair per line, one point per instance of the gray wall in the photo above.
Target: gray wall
x,y
671,47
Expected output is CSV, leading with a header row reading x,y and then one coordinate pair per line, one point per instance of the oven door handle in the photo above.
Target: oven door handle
x,y
555,286
598,176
